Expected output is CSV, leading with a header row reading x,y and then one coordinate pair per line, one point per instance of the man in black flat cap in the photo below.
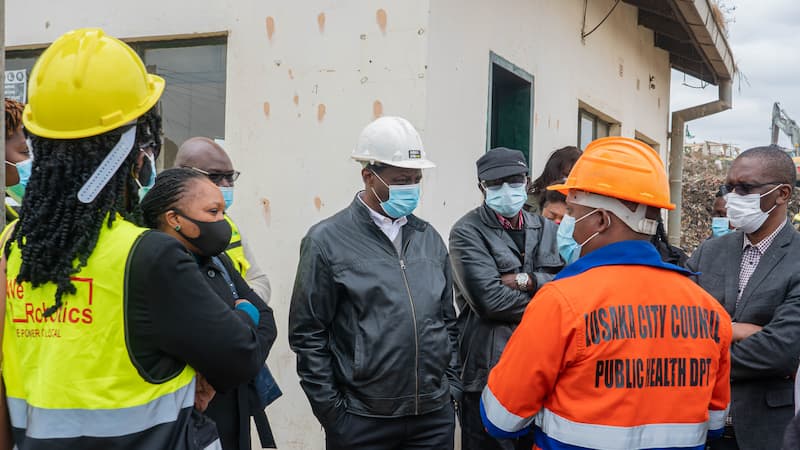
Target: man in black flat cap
x,y
500,255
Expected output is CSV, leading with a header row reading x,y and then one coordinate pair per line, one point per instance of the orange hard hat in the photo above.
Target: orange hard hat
x,y
622,168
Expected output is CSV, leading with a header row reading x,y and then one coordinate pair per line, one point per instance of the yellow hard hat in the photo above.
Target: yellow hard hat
x,y
85,84
621,168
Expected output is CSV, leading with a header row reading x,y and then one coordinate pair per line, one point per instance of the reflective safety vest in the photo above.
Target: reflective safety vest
x,y
70,379
620,351
235,251
12,213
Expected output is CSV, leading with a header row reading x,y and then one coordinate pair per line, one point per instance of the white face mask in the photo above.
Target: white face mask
x,y
744,211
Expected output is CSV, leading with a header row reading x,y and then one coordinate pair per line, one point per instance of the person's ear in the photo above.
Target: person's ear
x,y
366,176
172,219
601,220
784,194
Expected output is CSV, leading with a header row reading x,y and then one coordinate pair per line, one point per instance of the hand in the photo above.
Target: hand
x,y
742,331
509,280
241,300
203,393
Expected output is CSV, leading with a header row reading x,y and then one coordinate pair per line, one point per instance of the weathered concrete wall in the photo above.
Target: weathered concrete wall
x,y
609,72
304,77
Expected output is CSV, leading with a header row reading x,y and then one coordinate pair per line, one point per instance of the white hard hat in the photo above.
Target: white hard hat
x,y
392,141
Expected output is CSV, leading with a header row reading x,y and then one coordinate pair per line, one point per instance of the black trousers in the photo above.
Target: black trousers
x,y
432,431
726,442
474,435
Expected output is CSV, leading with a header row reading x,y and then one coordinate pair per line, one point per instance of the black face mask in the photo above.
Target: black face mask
x,y
214,236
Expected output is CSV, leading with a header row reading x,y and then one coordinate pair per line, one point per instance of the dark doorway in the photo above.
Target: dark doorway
x,y
510,107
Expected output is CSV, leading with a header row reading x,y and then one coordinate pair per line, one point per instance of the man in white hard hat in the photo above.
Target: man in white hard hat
x,y
372,319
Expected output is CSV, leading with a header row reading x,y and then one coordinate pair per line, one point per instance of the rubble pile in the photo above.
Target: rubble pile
x,y
702,177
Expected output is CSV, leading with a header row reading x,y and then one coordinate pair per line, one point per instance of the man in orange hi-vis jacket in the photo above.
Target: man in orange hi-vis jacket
x,y
621,350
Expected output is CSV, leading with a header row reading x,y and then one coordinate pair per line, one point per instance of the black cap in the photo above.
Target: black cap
x,y
501,162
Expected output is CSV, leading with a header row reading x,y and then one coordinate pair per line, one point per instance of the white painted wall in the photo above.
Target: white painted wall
x,y
543,38
295,160
298,163
42,21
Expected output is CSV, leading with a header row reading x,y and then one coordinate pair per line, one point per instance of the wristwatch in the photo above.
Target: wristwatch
x,y
522,281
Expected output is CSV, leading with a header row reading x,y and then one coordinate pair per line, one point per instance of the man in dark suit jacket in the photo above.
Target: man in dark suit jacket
x,y
755,273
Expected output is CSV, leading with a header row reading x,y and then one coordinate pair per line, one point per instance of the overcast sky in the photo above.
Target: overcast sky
x,y
765,39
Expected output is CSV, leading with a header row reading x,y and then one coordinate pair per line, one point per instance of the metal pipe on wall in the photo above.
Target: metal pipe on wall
x,y
679,119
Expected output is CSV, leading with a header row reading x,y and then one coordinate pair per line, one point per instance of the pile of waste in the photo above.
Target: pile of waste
x,y
702,177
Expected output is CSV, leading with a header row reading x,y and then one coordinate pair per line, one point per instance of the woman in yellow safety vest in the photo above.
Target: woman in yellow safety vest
x,y
91,359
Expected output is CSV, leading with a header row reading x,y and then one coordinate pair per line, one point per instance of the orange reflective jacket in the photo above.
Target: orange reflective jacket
x,y
621,351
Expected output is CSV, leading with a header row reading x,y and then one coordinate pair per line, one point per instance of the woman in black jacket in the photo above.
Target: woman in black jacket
x,y
188,206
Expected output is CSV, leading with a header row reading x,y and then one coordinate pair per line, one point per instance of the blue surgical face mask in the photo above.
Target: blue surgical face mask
x,y
720,226
403,199
568,248
227,194
145,188
506,200
24,170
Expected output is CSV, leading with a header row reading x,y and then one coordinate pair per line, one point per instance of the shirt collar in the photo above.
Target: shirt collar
x,y
381,220
628,253
508,224
764,244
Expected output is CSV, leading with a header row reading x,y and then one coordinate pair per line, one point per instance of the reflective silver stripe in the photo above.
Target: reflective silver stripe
x,y
216,445
17,412
499,416
716,419
621,438
43,423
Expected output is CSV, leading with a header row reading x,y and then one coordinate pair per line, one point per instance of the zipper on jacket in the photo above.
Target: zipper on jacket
x,y
416,333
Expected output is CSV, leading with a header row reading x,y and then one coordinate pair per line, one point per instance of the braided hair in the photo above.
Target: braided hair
x,y
170,187
13,117
57,233
669,253
151,128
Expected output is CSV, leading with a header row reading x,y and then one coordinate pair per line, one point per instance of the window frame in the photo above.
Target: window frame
x,y
598,120
639,136
141,46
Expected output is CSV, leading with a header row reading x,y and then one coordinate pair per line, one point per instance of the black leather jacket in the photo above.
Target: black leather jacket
x,y
374,332
480,252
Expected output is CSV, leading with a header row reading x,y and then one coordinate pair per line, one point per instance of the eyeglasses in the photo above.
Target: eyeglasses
x,y
514,181
217,177
745,188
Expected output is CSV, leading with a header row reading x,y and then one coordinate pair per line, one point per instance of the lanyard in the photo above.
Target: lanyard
x,y
225,275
